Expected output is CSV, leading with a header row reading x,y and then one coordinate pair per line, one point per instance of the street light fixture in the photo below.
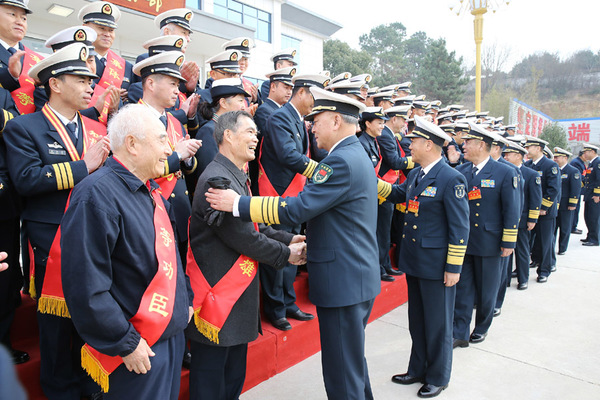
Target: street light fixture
x,y
477,8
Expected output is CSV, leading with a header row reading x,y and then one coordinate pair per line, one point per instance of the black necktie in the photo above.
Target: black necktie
x,y
420,177
163,119
12,50
103,61
72,128
474,171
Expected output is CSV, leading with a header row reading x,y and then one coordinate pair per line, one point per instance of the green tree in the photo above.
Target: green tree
x,y
339,57
385,44
440,75
555,135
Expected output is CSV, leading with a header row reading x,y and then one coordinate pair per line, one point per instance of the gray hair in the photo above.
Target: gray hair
x,y
349,119
133,119
230,120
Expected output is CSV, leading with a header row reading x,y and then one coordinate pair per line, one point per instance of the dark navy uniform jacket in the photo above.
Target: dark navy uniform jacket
x,y
284,147
209,148
265,89
570,188
40,167
520,179
578,163
548,171
371,147
110,223
6,80
262,114
9,200
340,207
127,78
434,239
592,180
494,218
532,200
391,158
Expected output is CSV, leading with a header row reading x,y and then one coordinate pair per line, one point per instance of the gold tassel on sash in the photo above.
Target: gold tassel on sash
x,y
32,292
54,306
94,369
210,331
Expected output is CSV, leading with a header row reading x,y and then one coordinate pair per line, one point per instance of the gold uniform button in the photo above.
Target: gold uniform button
x,y
414,240
403,236
186,192
476,214
405,224
414,227
476,225
172,194
477,204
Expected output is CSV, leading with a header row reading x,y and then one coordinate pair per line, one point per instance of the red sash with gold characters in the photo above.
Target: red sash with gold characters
x,y
265,188
52,299
113,74
23,96
212,305
156,306
175,135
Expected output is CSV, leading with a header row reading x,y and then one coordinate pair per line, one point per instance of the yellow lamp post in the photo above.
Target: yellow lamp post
x,y
477,9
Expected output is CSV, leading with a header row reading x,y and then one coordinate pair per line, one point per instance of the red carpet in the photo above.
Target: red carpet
x,y
273,352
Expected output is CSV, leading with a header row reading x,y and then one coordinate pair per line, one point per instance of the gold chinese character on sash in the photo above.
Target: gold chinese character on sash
x,y
157,3
114,73
35,58
166,236
247,267
168,268
158,304
116,63
25,99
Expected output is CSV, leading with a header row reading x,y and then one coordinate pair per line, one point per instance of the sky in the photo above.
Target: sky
x,y
522,27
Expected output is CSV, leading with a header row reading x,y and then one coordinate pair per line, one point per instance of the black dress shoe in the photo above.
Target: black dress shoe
x,y
187,359
542,279
393,271
282,324
19,357
94,396
460,343
577,231
387,278
534,265
513,274
497,311
406,379
561,253
590,244
522,286
477,337
584,240
300,315
428,390
553,268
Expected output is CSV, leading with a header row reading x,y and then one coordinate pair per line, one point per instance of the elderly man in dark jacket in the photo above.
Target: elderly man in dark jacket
x,y
222,264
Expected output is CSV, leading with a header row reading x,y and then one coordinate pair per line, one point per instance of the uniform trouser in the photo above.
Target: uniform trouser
x,y
522,255
576,214
397,230
479,281
160,382
278,294
430,314
342,332
384,225
11,280
563,222
506,263
542,247
591,214
217,372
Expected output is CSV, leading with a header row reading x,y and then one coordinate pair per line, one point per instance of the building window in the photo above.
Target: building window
x,y
289,41
247,15
197,4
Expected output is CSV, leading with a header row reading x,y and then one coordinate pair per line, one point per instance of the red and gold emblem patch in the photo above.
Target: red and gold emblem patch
x,y
179,61
233,57
107,9
83,54
179,43
80,35
245,43
188,16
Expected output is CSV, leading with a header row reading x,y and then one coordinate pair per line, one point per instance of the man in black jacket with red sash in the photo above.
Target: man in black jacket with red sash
x,y
224,257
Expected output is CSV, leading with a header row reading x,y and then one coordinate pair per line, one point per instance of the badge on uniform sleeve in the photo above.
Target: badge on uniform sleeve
x,y
459,191
488,183
322,173
429,191
577,176
538,180
554,170
515,182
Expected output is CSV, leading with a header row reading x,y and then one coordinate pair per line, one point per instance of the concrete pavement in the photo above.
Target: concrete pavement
x,y
544,345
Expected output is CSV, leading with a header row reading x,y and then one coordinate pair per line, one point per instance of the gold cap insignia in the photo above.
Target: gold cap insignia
x,y
234,57
179,61
293,72
179,43
80,35
326,83
188,16
294,53
245,43
107,9
83,54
